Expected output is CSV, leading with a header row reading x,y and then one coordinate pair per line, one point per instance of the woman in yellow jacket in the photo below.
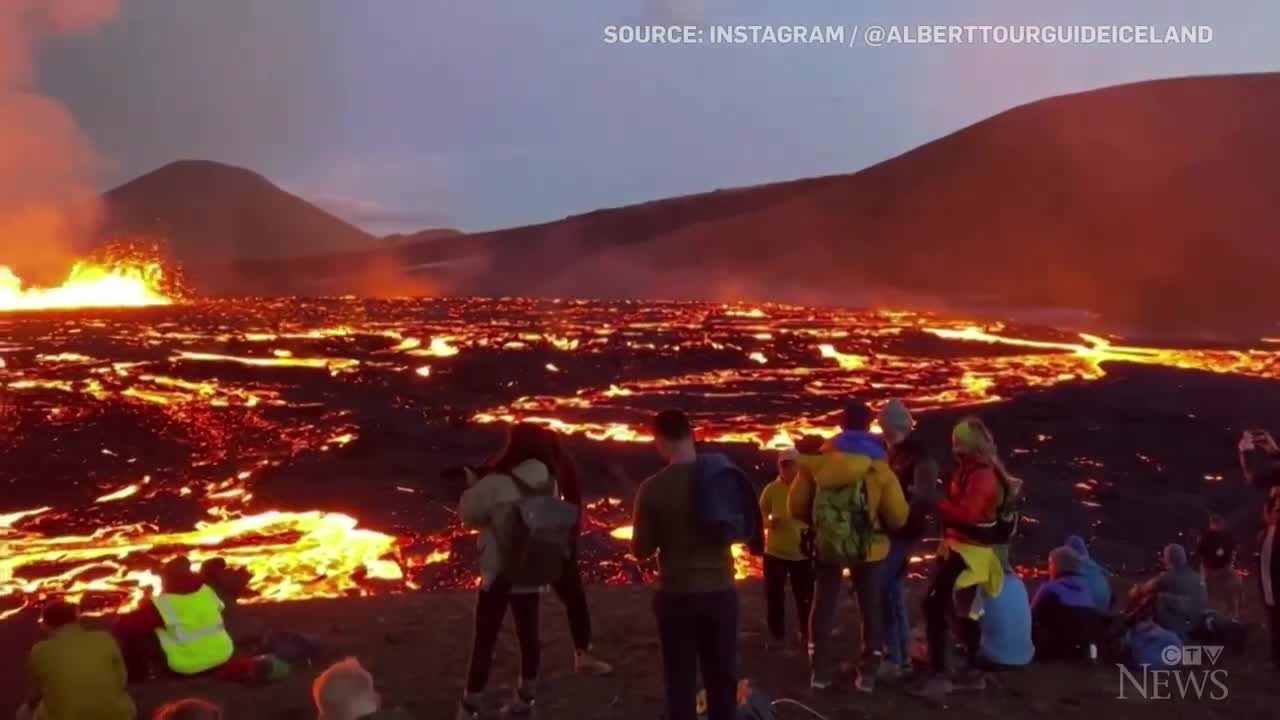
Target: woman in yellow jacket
x,y
852,497
784,555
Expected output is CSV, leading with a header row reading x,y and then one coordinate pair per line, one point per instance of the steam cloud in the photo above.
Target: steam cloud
x,y
48,205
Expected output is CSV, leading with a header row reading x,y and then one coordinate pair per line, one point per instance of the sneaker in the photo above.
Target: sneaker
x,y
934,688
584,663
864,682
520,705
467,712
817,684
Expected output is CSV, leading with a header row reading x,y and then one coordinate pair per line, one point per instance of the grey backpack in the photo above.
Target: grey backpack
x,y
535,537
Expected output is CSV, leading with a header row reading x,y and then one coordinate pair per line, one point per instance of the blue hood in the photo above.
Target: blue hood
x,y
1075,542
860,442
1072,591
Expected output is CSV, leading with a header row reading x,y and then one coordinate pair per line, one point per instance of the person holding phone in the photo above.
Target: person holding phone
x,y
1260,460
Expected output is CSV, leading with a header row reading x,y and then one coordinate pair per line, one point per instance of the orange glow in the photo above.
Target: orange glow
x,y
89,285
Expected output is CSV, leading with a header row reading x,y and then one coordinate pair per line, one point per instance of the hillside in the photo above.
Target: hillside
x,y
1149,203
212,213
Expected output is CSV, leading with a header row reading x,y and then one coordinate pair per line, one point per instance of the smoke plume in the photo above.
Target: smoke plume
x,y
48,205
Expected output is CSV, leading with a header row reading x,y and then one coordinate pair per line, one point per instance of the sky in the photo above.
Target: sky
x,y
406,114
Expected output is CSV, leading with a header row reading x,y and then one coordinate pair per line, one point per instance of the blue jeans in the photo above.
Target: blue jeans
x,y
897,628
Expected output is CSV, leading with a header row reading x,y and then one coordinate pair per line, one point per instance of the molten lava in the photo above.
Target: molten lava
x,y
127,440
89,284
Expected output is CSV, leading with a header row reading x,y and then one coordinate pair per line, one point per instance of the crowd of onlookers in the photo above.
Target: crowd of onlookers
x,y
857,505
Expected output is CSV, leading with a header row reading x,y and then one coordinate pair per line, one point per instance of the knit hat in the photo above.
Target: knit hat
x,y
895,415
788,455
971,436
1175,556
1064,561
1075,542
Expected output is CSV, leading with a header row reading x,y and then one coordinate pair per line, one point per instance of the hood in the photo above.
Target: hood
x,y
184,584
859,442
532,473
1075,542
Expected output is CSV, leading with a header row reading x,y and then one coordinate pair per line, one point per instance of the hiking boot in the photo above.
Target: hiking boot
x,y
934,688
584,663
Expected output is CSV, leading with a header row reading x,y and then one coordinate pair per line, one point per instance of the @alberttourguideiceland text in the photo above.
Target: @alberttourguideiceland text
x,y
880,35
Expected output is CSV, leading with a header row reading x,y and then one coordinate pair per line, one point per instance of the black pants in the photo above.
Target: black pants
x,y
1274,618
491,607
776,573
699,631
569,588
940,613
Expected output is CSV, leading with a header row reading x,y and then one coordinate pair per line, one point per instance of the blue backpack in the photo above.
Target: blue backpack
x,y
725,503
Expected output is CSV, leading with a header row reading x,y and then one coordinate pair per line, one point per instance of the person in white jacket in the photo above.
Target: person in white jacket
x,y
530,456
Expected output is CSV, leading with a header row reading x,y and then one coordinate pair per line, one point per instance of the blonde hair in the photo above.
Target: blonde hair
x,y
338,686
972,437
189,709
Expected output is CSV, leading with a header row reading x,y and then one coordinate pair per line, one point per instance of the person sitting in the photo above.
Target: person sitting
x,y
77,673
345,691
1064,620
1005,625
189,709
1217,554
181,627
1095,577
1177,596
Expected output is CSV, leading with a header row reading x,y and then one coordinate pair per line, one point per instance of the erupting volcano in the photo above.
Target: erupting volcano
x,y
90,284
247,429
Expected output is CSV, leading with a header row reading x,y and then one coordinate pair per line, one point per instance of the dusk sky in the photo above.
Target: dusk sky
x,y
403,114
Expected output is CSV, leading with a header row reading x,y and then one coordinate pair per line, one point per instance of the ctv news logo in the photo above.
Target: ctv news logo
x,y
1191,673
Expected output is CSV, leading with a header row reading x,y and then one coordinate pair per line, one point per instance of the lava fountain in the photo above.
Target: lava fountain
x,y
89,284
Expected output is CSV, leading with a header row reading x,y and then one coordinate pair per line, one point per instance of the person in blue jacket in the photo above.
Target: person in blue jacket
x,y
1005,625
1095,577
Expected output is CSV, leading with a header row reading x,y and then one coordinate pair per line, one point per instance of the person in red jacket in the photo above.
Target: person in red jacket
x,y
970,515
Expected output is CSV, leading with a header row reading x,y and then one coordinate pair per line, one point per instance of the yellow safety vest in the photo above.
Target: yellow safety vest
x,y
193,638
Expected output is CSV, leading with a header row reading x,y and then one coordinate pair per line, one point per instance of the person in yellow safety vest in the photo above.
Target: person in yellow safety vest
x,y
182,626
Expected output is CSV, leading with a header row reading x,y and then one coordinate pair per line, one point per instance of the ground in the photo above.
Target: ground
x,y
416,645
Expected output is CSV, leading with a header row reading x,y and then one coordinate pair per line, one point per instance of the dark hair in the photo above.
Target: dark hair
x,y
857,416
672,425
525,441
57,613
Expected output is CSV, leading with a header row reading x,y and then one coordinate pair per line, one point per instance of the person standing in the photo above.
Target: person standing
x,y
524,468
1217,553
977,494
1260,460
853,498
917,472
569,587
696,605
784,557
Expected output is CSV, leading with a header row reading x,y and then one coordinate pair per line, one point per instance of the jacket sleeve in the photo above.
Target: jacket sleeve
x,y
143,620
765,504
800,496
643,541
476,505
975,506
893,508
1260,466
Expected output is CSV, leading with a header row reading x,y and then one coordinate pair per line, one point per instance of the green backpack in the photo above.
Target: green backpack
x,y
842,519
